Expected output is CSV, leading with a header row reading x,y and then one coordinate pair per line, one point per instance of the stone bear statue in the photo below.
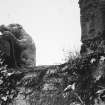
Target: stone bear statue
x,y
24,50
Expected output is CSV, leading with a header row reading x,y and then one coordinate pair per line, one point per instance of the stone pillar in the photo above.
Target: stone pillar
x,y
92,15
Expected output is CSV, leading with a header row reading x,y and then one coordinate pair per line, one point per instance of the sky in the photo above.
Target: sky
x,y
53,24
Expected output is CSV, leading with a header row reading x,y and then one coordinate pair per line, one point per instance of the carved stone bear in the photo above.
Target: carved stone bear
x,y
23,45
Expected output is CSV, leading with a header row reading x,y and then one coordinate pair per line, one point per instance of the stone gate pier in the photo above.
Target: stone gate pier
x,y
92,15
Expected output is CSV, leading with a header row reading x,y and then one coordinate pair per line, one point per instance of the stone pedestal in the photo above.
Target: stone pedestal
x,y
92,15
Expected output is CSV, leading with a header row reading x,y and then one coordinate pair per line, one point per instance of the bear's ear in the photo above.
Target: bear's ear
x,y
3,28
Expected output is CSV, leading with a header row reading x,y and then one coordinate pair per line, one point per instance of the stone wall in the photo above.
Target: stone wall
x,y
44,86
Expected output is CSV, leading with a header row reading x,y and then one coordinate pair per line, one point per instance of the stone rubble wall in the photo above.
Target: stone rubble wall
x,y
47,88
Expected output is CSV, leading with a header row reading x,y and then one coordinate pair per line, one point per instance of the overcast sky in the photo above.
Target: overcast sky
x,y
53,24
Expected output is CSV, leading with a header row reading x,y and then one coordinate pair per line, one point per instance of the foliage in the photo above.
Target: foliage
x,y
78,81
9,82
90,74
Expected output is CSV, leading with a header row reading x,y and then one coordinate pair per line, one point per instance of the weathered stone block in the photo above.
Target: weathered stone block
x,y
92,18
92,15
